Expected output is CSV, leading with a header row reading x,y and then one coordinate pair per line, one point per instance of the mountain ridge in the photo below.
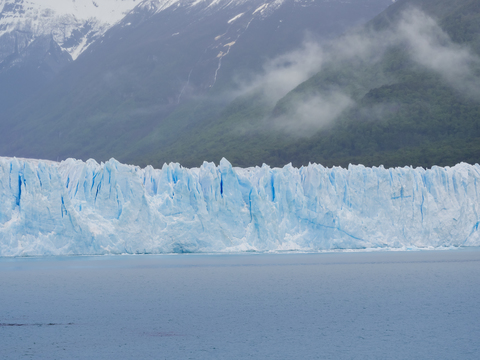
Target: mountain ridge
x,y
402,103
127,86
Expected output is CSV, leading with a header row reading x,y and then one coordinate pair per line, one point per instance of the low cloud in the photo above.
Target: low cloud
x,y
312,113
420,37
284,73
431,47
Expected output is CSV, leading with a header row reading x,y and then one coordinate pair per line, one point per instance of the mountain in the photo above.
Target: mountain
x,y
72,24
419,102
402,90
40,37
164,70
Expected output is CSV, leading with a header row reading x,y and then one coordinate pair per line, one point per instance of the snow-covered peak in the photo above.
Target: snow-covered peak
x,y
160,5
106,11
73,24
157,6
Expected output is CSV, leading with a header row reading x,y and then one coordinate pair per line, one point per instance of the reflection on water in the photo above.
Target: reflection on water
x,y
396,305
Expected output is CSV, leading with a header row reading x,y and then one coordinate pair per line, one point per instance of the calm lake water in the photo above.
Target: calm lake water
x,y
381,305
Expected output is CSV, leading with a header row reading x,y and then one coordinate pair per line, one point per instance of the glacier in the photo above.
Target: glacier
x,y
75,207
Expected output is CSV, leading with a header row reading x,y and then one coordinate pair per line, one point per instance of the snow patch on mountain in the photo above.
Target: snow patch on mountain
x,y
235,18
260,8
156,6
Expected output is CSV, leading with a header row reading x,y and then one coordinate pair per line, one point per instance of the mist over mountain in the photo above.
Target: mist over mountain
x,y
164,68
402,90
257,82
413,81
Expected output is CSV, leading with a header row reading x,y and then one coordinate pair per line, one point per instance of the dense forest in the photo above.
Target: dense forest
x,y
401,89
402,109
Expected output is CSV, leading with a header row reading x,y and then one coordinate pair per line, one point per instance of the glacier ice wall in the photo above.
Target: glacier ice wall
x,y
76,207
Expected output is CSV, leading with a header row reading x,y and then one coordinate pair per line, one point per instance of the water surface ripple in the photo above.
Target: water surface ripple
x,y
379,305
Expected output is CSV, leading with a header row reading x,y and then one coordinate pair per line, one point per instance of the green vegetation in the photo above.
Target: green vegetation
x,y
404,112
401,111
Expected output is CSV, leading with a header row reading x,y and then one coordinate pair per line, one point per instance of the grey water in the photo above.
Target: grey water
x,y
371,305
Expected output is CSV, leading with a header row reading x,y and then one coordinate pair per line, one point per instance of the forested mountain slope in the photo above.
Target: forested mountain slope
x,y
164,72
403,90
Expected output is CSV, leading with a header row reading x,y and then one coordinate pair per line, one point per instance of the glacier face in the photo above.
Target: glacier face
x,y
76,207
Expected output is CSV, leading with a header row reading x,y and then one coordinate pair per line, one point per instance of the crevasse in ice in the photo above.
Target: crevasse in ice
x,y
76,207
